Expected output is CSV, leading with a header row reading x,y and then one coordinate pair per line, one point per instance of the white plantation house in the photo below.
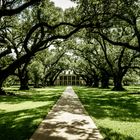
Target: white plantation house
x,y
69,78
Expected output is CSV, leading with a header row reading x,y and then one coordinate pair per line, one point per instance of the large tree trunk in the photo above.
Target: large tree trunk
x,y
36,82
2,92
11,69
24,82
51,83
3,76
36,85
89,83
96,82
105,81
44,83
118,83
23,76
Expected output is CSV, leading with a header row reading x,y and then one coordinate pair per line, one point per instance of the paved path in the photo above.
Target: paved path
x,y
67,121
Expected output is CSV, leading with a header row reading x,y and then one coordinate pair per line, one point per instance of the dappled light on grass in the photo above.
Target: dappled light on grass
x,y
20,115
109,134
23,105
117,113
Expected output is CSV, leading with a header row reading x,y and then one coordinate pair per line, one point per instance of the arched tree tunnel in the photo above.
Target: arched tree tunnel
x,y
99,42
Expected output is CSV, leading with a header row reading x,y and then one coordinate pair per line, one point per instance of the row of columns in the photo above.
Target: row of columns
x,y
68,80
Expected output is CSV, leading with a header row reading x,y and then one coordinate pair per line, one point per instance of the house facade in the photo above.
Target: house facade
x,y
69,78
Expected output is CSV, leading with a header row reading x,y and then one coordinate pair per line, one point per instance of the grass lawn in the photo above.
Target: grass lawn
x,y
20,115
117,114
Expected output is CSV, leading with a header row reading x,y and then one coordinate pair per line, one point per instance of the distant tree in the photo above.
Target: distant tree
x,y
36,72
94,60
52,61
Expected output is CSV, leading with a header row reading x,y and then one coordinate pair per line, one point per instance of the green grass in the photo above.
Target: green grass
x,y
20,115
117,114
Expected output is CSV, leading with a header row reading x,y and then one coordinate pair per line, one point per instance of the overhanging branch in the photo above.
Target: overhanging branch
x,y
10,12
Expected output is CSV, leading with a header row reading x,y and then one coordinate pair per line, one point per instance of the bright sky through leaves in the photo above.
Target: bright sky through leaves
x,y
64,4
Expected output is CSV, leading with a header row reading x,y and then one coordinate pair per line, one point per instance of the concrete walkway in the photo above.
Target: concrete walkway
x,y
67,121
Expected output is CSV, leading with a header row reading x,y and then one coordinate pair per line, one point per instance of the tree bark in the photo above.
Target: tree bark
x,y
2,92
51,83
3,76
89,82
105,81
118,83
24,82
12,67
96,82
36,82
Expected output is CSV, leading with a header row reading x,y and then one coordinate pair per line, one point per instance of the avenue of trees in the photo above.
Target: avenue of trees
x,y
36,37
99,62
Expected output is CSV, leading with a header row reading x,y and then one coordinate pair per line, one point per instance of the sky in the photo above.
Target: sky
x,y
64,4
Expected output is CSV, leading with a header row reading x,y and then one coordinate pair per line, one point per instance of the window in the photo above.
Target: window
x,y
65,77
73,77
69,77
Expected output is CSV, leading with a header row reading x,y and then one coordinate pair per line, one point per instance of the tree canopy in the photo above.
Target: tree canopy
x,y
104,36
